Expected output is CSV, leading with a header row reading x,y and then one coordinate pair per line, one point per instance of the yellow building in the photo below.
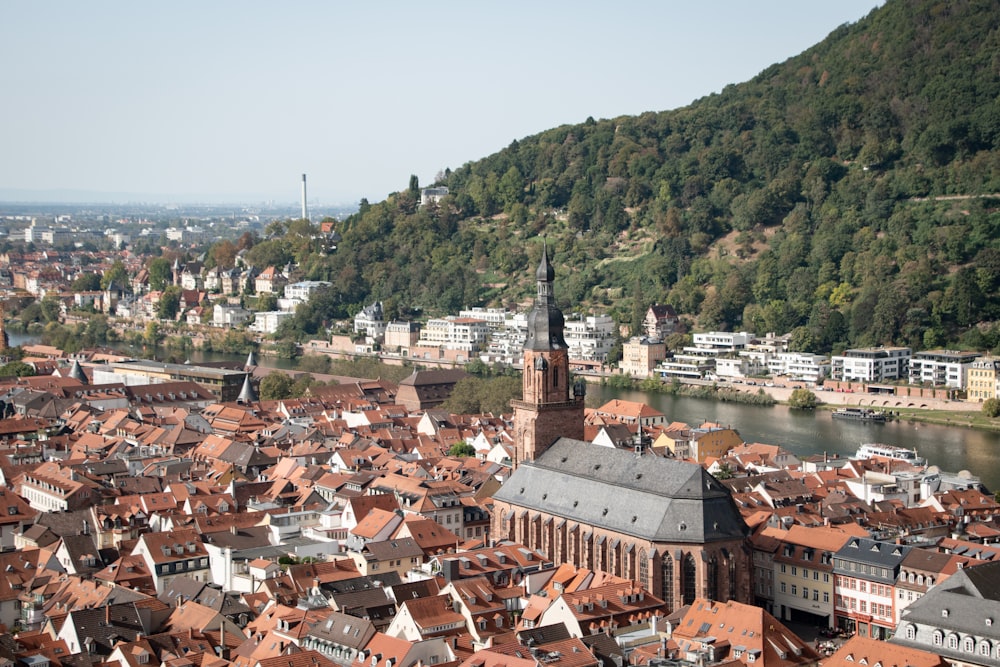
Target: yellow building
x,y
699,444
983,379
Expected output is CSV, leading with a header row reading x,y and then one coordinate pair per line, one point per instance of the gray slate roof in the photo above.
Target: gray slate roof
x,y
646,496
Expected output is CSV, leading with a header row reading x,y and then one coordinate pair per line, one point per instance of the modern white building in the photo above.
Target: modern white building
x,y
268,322
304,289
229,315
463,334
685,366
871,364
507,343
495,317
590,338
947,368
720,342
800,366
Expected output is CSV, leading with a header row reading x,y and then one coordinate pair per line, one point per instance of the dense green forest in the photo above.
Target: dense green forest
x,y
849,195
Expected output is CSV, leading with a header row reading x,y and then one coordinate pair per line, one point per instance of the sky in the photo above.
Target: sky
x,y
233,100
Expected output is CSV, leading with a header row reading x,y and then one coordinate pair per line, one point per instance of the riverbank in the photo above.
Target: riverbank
x,y
928,411
976,420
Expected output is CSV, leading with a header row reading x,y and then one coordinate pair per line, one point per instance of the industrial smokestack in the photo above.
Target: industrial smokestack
x,y
305,211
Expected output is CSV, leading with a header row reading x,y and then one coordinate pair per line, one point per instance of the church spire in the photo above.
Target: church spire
x,y
545,321
247,393
549,408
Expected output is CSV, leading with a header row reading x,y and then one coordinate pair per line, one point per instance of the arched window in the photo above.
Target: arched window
x,y
953,641
911,631
689,579
643,569
984,647
968,644
938,638
667,583
732,576
713,579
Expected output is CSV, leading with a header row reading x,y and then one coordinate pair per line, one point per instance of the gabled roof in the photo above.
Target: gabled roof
x,y
653,498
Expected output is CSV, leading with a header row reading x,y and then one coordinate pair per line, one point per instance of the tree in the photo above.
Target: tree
x,y
86,282
276,385
462,450
161,273
224,254
16,369
802,399
991,408
153,335
169,303
117,274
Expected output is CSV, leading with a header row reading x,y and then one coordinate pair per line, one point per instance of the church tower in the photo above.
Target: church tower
x,y
550,408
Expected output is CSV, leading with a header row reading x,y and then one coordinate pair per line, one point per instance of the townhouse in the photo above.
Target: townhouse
x,y
865,576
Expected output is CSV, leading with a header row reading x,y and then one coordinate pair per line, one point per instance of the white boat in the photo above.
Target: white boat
x,y
871,450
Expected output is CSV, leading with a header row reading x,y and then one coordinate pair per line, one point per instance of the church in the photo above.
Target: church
x,y
666,524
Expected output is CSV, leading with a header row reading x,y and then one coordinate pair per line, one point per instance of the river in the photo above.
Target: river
x,y
805,432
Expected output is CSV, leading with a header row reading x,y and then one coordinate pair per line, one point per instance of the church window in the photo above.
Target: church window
x,y
667,586
689,579
643,569
713,580
732,577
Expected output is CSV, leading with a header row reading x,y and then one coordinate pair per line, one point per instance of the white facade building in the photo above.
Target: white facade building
x,y
304,289
947,368
269,321
719,342
590,338
371,322
463,334
800,366
229,315
871,364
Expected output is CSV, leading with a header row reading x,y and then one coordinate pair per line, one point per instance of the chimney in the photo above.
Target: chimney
x,y
305,211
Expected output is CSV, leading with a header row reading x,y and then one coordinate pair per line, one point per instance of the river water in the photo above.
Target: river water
x,y
805,432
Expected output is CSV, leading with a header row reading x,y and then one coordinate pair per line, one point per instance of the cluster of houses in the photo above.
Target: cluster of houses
x,y
154,519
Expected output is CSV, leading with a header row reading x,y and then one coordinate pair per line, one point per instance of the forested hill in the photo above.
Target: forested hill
x,y
848,194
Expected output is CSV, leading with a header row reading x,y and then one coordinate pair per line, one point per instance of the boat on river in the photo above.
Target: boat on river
x,y
875,450
861,414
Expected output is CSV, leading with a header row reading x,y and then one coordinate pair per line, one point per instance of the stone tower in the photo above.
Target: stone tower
x,y
550,407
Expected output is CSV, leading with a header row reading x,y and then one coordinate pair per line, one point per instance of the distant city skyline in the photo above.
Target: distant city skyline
x,y
233,102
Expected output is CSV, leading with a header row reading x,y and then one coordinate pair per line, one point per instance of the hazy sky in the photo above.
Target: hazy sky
x,y
216,98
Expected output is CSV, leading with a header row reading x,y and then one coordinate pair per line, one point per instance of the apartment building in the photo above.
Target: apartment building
x,y
865,572
462,334
948,368
641,355
871,364
590,338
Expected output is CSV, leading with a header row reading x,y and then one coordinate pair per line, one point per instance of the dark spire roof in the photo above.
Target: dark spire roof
x,y
545,271
545,321
76,372
247,393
